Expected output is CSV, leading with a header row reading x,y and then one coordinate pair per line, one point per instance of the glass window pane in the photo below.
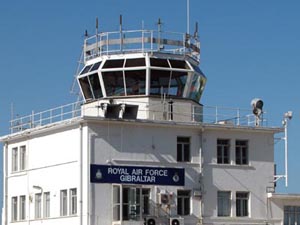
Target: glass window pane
x,y
114,63
14,159
177,83
114,83
159,62
181,64
95,83
159,82
95,66
135,62
22,157
85,87
135,82
86,69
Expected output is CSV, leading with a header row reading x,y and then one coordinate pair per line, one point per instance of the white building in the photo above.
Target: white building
x,y
141,148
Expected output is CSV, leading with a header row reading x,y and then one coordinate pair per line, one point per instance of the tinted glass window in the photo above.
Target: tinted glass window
x,y
159,82
95,66
178,64
135,62
114,83
159,62
85,86
86,69
116,63
95,83
135,82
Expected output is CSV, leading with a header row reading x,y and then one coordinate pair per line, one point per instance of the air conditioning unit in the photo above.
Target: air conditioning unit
x,y
176,221
163,198
150,221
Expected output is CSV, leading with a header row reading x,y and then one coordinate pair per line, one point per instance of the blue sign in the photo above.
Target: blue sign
x,y
137,175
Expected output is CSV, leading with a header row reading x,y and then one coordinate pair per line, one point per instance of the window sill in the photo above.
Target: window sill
x,y
232,166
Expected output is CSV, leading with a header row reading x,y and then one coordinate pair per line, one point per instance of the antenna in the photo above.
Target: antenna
x,y
187,16
97,50
121,33
196,31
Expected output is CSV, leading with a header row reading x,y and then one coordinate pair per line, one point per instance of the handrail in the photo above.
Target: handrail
x,y
141,41
207,114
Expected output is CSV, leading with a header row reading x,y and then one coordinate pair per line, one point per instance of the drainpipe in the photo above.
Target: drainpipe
x,y
80,173
5,194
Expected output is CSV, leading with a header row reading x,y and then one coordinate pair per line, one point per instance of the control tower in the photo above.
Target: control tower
x,y
142,74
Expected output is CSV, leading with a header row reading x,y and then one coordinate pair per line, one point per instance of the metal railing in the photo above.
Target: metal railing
x,y
204,114
141,41
46,117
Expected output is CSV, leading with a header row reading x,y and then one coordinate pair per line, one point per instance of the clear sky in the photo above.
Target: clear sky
x,y
249,49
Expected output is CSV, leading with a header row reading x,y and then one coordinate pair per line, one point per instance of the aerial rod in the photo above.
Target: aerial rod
x,y
97,24
196,31
188,16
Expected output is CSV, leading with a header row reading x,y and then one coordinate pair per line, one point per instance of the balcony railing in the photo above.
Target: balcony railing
x,y
204,114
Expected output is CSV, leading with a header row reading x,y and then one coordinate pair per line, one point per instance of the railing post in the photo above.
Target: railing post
x,y
216,121
238,116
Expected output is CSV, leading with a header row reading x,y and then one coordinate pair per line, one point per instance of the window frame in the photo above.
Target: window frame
x,y
15,159
46,204
73,201
22,156
224,203
242,204
223,149
38,206
183,202
183,149
64,202
241,152
14,209
22,207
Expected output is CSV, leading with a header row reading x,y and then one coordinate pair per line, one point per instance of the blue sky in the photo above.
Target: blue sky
x,y
249,49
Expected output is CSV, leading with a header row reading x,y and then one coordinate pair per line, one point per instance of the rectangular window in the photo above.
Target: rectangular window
x,y
291,215
46,205
224,203
23,157
14,159
183,149
14,209
131,203
38,206
116,203
241,152
63,203
183,202
146,201
223,151
242,204
73,201
22,207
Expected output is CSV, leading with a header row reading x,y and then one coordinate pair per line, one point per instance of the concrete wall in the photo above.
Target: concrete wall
x,y
53,164
253,178
146,145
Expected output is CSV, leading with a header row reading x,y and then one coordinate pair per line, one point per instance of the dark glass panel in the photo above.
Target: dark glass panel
x,y
159,62
85,87
95,83
86,69
135,82
177,83
159,82
113,82
180,64
95,66
114,63
135,62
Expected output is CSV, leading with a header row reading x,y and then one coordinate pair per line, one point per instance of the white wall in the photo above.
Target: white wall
x,y
52,164
253,178
146,145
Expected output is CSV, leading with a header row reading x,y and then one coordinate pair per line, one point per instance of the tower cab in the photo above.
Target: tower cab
x,y
142,75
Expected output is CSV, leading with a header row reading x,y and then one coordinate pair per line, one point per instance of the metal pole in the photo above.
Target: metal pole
x,y
286,150
188,16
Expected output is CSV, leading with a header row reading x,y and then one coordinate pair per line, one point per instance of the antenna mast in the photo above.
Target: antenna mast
x,y
188,16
